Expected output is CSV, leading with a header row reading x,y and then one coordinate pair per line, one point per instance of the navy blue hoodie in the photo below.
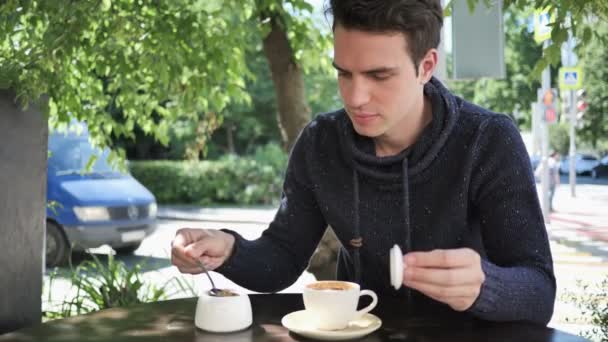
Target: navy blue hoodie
x,y
466,182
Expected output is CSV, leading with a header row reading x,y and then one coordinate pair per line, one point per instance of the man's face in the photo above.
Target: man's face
x,y
377,81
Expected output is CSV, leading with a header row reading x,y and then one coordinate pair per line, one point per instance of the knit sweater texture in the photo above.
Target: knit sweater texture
x,y
466,182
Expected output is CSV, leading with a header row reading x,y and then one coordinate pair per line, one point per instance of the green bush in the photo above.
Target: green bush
x,y
102,284
592,299
254,179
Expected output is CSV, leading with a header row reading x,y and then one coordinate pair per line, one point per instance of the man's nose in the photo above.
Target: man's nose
x,y
357,93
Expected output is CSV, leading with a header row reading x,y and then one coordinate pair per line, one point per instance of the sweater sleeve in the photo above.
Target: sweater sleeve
x,y
275,260
520,284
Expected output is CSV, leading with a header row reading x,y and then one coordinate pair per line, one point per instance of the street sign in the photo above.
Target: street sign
x,y
570,78
542,28
485,25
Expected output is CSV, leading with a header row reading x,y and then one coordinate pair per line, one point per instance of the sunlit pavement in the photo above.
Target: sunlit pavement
x,y
578,230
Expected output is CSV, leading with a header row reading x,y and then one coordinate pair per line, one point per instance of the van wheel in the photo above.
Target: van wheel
x,y
128,249
57,249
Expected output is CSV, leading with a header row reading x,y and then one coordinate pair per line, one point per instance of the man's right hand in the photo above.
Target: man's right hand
x,y
211,247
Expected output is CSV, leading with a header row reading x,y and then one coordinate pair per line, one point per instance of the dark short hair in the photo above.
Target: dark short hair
x,y
419,20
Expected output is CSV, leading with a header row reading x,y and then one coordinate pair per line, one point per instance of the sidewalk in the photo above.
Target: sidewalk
x,y
578,230
259,215
582,218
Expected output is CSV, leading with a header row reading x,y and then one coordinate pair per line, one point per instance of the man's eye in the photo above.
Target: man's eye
x,y
343,74
380,77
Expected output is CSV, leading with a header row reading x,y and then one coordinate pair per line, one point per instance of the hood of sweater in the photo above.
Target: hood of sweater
x,y
396,170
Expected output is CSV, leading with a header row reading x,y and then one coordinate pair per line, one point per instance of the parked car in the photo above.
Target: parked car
x,y
584,164
89,209
601,170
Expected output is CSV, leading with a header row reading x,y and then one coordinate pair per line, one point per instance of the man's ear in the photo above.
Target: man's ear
x,y
427,66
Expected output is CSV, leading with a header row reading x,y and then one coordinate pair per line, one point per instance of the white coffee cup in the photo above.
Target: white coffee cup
x,y
333,304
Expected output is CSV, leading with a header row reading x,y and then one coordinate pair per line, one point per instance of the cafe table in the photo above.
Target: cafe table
x,y
173,320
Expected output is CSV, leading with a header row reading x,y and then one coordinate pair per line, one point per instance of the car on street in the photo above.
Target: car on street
x,y
534,161
584,164
90,207
601,170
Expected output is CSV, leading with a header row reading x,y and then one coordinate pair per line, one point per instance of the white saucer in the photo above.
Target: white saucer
x,y
300,322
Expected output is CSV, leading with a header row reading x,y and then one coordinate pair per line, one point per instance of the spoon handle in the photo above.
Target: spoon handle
x,y
200,264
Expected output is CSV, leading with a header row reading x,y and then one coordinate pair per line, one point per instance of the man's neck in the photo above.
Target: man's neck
x,y
406,133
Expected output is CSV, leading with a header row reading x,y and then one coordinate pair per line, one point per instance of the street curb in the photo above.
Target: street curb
x,y
237,215
203,218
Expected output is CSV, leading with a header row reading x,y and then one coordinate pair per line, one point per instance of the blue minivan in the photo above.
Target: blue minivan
x,y
90,208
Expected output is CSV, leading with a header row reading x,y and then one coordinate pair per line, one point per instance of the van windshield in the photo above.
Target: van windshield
x,y
70,155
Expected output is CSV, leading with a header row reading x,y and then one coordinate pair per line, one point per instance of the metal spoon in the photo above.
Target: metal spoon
x,y
214,290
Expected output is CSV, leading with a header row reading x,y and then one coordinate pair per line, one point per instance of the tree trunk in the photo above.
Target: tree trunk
x,y
23,157
230,138
287,76
294,114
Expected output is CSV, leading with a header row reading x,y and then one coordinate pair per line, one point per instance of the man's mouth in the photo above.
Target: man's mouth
x,y
363,118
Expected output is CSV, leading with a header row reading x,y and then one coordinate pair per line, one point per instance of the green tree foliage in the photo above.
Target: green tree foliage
x,y
567,15
247,125
122,64
559,137
141,56
255,124
588,21
593,57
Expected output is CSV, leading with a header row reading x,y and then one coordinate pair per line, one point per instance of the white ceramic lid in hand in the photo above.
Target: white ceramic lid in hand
x,y
396,265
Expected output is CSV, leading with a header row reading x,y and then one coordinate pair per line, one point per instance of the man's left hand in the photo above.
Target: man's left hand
x,y
451,276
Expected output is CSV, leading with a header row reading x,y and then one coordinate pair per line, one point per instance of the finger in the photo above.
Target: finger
x,y
445,293
444,276
198,249
190,270
461,303
443,258
188,262
212,263
181,260
183,237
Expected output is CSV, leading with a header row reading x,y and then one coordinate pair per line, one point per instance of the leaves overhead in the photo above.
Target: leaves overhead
x,y
566,15
154,62
141,56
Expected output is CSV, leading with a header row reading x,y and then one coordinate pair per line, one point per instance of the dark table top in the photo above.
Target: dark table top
x,y
173,320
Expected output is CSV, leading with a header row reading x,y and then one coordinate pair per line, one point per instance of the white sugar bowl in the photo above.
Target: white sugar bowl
x,y
222,314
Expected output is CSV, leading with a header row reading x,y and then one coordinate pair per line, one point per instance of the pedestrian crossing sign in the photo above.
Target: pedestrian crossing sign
x,y
542,25
570,78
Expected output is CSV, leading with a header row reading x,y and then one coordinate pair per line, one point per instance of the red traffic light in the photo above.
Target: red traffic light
x,y
581,106
550,115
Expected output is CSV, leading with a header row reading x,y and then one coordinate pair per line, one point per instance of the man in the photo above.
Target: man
x,y
553,165
554,181
404,162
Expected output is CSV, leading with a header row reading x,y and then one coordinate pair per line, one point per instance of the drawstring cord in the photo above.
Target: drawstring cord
x,y
357,241
407,243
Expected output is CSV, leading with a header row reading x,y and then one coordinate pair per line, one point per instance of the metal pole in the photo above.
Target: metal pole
x,y
546,85
572,152
535,129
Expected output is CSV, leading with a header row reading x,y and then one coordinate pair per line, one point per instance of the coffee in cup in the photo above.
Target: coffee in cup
x,y
333,304
330,285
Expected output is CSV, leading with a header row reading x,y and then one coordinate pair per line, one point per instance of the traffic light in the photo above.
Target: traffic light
x,y
549,106
581,103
